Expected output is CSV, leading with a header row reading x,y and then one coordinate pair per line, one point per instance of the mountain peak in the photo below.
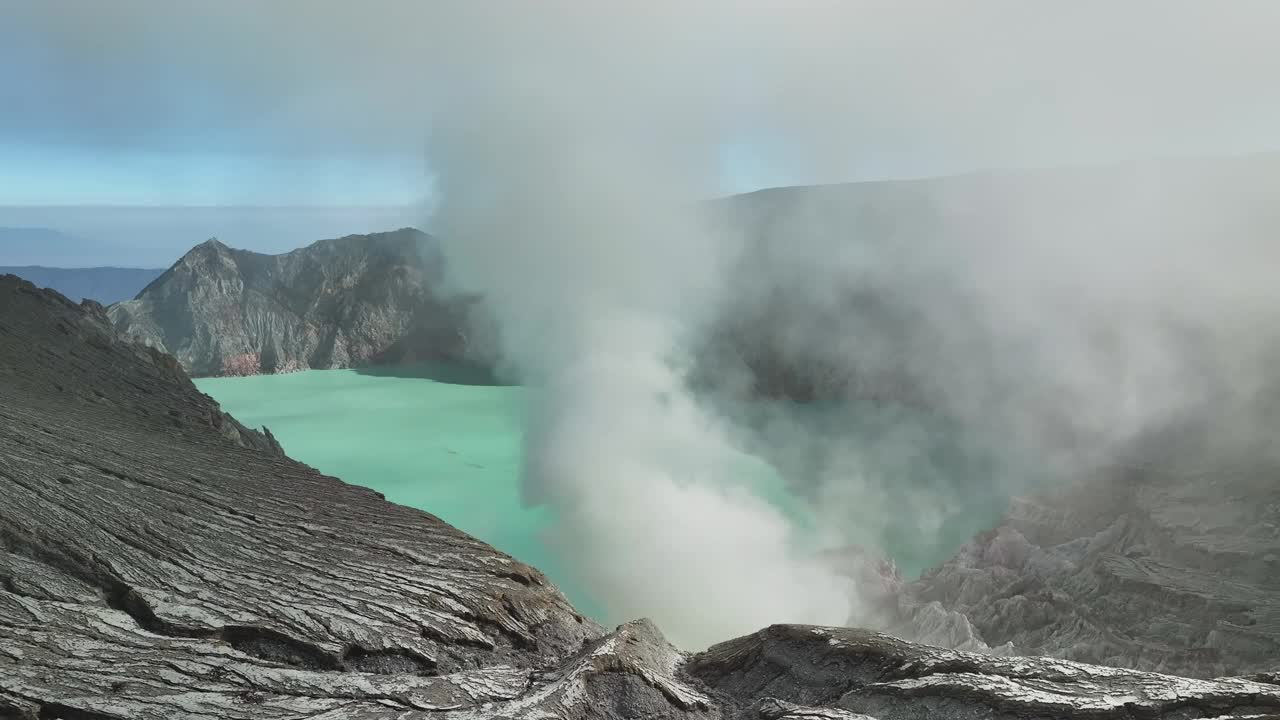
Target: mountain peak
x,y
212,243
211,248
335,303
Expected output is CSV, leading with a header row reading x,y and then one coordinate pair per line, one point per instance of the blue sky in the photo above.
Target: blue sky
x,y
330,103
155,103
52,174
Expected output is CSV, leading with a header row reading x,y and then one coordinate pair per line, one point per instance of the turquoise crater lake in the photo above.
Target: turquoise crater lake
x,y
427,437
448,441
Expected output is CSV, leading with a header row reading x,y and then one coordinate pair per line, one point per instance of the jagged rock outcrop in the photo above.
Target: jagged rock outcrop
x,y
1145,398
57,352
346,302
1152,567
789,671
142,529
158,560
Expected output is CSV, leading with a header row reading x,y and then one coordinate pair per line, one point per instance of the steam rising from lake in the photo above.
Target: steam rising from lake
x,y
1052,322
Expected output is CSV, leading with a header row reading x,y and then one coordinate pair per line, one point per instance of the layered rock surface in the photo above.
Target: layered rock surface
x,y
338,303
1153,567
152,545
158,560
1153,539
789,671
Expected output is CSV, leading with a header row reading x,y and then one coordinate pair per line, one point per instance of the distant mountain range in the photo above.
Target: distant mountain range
x,y
24,246
106,285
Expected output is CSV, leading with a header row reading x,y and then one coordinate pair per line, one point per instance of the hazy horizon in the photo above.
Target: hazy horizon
x,y
156,236
139,102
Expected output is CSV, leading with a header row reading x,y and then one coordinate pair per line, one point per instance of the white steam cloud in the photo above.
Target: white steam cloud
x,y
567,203
568,162
1051,320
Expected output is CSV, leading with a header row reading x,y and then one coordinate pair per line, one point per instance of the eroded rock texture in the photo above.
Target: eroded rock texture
x,y
1145,566
790,671
140,525
54,352
1154,539
337,303
158,560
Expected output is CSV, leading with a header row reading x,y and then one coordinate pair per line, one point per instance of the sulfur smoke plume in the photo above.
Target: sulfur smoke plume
x,y
982,334
567,202
957,340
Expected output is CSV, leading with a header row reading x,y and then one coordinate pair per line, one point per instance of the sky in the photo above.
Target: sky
x,y
334,104
146,102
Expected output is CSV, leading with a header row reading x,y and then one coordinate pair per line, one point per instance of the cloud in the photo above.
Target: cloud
x,y
890,88
1020,310
570,141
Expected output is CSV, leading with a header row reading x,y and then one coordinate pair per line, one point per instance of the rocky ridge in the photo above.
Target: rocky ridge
x,y
346,302
158,560
1150,567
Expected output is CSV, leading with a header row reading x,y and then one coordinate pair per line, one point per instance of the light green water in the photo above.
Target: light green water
x,y
450,449
431,438
439,439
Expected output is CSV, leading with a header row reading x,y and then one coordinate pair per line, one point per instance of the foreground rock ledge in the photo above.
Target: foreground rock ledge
x,y
160,560
796,671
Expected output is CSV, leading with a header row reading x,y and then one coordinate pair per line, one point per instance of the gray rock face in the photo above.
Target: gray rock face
x,y
1157,547
789,671
336,303
55,351
1145,567
159,560
144,533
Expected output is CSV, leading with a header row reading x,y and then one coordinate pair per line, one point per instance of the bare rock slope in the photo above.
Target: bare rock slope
x,y
1147,566
159,560
336,303
1157,544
